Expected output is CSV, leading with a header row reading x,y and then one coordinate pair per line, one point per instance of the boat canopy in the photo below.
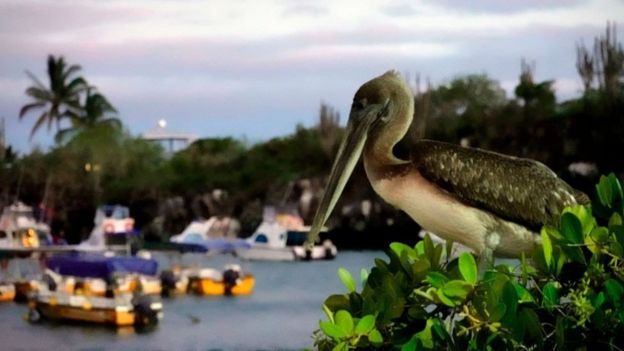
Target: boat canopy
x,y
172,246
99,266
218,245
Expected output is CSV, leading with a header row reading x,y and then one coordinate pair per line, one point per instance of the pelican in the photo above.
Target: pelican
x,y
493,203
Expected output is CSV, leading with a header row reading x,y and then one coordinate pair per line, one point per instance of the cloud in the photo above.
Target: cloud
x,y
303,8
267,64
504,7
28,17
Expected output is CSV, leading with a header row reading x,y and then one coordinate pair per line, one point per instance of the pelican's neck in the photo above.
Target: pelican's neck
x,y
378,153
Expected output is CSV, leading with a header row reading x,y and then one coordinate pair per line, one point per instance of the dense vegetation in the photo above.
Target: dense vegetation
x,y
568,295
96,161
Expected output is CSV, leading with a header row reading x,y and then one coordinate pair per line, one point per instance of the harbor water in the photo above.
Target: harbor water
x,y
281,314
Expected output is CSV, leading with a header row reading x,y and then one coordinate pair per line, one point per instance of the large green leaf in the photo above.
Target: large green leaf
x,y
425,336
604,191
399,248
445,299
440,331
344,321
615,291
365,324
571,228
547,247
510,299
616,219
375,338
332,330
468,267
342,346
411,345
420,268
523,294
573,252
337,302
497,312
457,289
598,237
584,215
346,279
436,279
532,324
551,295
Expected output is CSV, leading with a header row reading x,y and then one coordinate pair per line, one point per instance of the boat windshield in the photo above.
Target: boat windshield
x,y
116,212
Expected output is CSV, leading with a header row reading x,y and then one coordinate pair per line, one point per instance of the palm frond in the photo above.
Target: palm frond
x,y
40,121
77,85
39,94
28,107
36,80
71,70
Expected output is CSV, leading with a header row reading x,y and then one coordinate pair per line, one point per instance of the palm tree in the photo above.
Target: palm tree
x,y
57,100
96,113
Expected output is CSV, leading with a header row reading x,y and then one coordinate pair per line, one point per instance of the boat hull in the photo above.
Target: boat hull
x,y
288,253
85,314
7,292
210,287
120,311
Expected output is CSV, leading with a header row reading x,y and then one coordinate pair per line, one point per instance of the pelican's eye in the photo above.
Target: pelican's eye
x,y
358,105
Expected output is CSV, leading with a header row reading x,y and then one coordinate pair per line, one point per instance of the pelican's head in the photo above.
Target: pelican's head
x,y
375,107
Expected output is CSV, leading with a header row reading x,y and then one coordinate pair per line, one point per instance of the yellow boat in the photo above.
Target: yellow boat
x,y
231,282
148,285
26,289
118,311
207,286
123,285
7,292
99,294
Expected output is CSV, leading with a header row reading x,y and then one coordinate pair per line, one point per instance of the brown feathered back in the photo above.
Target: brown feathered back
x,y
521,190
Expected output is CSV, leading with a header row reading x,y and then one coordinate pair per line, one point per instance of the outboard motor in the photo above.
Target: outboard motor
x,y
168,282
230,278
329,252
49,281
147,310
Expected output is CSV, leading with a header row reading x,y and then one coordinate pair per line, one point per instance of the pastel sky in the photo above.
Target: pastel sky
x,y
255,69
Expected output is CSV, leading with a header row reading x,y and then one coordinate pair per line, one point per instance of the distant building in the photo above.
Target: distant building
x,y
171,141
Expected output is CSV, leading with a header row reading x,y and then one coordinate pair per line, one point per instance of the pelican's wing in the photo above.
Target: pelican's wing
x,y
517,189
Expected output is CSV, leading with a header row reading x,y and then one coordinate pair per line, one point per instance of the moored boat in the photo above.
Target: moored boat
x,y
7,292
231,282
97,295
19,228
123,310
281,237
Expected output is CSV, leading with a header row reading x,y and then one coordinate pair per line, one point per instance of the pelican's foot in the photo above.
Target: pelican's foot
x,y
485,261
486,258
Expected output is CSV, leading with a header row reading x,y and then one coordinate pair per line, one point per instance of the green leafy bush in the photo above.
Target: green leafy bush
x,y
568,295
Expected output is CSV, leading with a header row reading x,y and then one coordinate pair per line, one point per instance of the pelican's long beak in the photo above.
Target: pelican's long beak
x,y
348,156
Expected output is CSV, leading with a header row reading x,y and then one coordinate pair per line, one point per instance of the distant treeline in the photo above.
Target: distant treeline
x,y
94,161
